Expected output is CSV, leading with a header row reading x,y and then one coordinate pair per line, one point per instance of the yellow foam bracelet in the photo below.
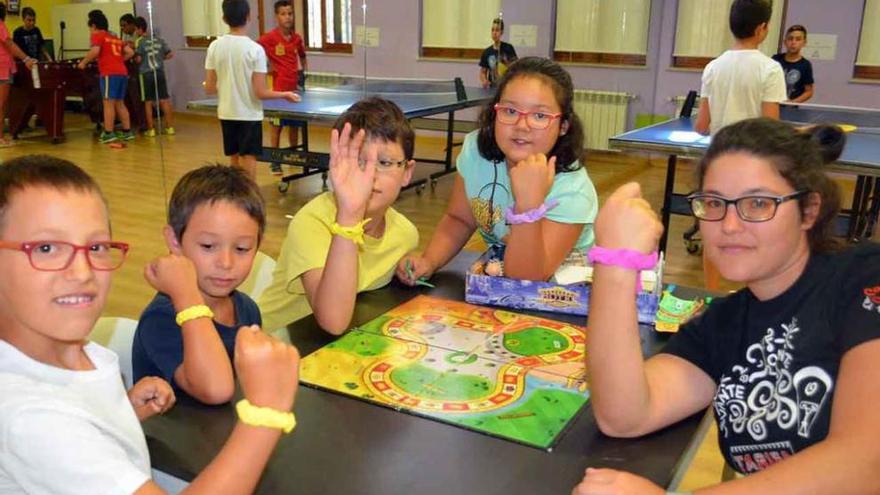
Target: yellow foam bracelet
x,y
250,414
193,312
354,233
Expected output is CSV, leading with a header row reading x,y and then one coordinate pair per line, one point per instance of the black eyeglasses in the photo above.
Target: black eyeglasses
x,y
752,208
53,256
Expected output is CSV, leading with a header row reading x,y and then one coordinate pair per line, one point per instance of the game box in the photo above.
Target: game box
x,y
568,291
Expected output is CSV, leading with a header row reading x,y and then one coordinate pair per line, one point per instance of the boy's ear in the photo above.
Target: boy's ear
x,y
171,239
408,172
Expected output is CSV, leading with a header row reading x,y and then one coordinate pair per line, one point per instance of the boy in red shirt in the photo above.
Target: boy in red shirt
x,y
111,53
285,50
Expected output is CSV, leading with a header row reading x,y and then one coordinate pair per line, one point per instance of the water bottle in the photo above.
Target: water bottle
x,y
35,75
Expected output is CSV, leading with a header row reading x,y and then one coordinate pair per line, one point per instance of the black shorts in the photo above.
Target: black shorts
x,y
242,137
149,86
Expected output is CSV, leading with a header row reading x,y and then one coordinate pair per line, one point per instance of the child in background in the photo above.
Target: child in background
x,y
28,36
127,29
235,70
287,58
788,363
495,59
216,219
798,70
67,425
151,54
742,83
8,52
350,240
111,53
520,181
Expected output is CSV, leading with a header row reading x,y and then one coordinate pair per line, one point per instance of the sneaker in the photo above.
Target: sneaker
x,y
107,137
124,135
169,131
150,133
275,168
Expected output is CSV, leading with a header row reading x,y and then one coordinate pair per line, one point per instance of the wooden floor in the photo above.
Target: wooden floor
x,y
138,179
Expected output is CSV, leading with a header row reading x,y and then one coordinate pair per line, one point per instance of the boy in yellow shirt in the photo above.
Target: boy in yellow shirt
x,y
348,240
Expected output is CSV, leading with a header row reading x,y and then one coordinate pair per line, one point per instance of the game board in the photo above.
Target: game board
x,y
504,374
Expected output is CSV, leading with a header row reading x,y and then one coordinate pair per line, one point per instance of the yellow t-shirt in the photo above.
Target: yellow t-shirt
x,y
305,248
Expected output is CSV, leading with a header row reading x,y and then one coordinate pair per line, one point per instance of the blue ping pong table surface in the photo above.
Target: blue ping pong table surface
x,y
861,154
416,98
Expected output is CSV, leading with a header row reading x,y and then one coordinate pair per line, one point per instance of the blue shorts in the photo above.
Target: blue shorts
x,y
113,87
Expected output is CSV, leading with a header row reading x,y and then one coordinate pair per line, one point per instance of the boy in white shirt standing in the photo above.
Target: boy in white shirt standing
x,y
742,83
235,70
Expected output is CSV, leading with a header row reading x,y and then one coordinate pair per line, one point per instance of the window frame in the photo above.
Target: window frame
x,y
205,41
700,63
871,72
447,52
345,48
600,58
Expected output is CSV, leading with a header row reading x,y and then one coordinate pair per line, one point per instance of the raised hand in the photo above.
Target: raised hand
x,y
352,182
267,369
174,275
627,221
613,482
151,395
531,180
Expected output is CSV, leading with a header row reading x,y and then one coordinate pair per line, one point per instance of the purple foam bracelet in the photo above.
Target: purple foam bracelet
x,y
624,258
530,216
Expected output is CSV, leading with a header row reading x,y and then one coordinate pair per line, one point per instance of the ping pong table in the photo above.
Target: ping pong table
x,y
415,97
860,157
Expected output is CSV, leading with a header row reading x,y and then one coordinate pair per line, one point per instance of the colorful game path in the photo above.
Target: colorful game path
x,y
504,374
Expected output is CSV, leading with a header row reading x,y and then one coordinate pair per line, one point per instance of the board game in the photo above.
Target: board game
x,y
504,374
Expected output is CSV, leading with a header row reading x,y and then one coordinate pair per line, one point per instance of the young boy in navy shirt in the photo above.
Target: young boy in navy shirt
x,y
216,219
798,70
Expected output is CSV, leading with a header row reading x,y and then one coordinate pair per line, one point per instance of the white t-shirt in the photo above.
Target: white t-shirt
x,y
737,82
235,59
68,432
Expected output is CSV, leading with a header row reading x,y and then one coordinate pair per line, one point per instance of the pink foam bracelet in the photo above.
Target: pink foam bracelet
x,y
624,258
530,216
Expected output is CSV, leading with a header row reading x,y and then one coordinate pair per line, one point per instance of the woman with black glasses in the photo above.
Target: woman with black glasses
x,y
788,363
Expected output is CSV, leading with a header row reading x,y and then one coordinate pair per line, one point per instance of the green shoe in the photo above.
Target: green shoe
x,y
169,131
124,135
107,137
150,133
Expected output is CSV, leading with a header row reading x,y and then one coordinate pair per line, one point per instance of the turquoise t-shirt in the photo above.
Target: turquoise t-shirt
x,y
487,186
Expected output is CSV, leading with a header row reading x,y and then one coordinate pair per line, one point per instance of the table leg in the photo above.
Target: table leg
x,y
668,189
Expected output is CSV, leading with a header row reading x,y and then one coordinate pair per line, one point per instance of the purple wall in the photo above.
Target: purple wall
x,y
654,85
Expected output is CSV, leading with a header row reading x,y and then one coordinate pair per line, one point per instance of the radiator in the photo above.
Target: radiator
x,y
603,114
322,79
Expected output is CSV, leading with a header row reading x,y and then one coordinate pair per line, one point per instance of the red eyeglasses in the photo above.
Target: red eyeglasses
x,y
53,256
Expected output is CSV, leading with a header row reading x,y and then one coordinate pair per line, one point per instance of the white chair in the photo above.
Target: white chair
x,y
117,335
260,276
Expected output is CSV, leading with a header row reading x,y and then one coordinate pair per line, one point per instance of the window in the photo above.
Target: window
x,y
868,57
457,28
700,21
202,22
599,31
328,26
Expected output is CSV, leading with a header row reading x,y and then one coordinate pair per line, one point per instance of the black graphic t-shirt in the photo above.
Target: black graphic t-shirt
x,y
775,362
497,61
797,75
30,42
